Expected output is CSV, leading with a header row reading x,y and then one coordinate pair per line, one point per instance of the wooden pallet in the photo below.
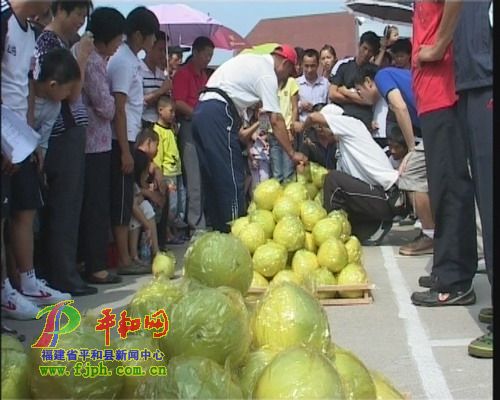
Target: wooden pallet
x,y
336,301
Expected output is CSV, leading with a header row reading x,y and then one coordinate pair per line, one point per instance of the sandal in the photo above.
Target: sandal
x,y
110,278
482,347
134,268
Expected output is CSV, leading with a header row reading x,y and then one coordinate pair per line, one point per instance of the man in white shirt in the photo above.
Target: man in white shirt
x,y
365,183
313,88
124,71
236,85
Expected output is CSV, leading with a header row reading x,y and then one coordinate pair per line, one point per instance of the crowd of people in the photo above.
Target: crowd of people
x,y
143,150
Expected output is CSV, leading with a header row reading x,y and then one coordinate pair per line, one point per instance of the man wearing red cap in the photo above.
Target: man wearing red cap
x,y
235,86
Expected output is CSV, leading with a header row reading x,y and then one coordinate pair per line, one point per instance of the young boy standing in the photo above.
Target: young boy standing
x,y
169,162
124,71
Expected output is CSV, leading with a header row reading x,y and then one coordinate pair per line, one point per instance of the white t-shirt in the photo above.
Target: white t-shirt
x,y
16,64
380,111
247,79
46,113
124,72
360,156
151,81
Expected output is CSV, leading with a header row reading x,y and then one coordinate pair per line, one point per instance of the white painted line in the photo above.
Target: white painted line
x,y
431,375
451,342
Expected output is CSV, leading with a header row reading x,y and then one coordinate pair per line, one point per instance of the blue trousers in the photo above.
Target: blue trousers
x,y
215,133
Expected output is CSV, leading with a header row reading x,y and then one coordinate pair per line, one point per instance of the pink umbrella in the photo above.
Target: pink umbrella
x,y
184,24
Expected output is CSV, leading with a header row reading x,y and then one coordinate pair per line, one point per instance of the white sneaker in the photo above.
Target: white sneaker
x,y
44,295
16,306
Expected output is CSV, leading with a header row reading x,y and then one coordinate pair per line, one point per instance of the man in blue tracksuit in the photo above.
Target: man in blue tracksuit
x,y
236,85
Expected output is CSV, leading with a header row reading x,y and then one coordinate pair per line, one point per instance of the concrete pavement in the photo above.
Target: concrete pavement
x,y
423,351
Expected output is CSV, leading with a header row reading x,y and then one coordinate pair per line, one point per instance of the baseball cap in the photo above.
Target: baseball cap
x,y
287,52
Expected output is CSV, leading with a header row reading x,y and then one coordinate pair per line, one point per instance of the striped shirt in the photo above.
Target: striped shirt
x,y
74,114
151,81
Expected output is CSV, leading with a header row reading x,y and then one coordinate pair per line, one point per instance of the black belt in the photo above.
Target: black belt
x,y
230,102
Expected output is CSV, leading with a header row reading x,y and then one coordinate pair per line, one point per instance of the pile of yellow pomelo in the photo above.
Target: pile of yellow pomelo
x,y
291,237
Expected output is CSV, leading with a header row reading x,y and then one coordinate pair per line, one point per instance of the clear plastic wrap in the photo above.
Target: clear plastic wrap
x,y
269,259
296,191
253,366
288,316
319,197
141,387
342,216
252,236
312,190
218,259
238,224
266,193
352,274
318,174
15,369
332,254
354,250
157,294
299,373
290,233
287,275
304,262
199,378
325,229
358,384
259,281
211,323
384,389
309,243
164,264
286,206
76,386
320,277
265,219
310,213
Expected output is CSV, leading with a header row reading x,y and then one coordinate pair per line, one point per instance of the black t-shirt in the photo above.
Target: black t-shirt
x,y
315,152
345,77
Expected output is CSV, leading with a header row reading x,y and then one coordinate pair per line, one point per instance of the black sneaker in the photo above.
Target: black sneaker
x,y
376,238
433,298
425,281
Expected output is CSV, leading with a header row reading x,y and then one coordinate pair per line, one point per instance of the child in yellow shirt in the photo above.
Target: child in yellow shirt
x,y
169,162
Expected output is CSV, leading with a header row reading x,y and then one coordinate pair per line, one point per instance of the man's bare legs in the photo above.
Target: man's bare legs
x,y
120,234
422,205
423,244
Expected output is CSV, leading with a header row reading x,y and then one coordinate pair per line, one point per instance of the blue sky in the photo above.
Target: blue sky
x,y
242,16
